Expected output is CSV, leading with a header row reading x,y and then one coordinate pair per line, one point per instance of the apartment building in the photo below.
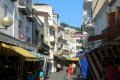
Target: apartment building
x,y
63,46
104,17
74,43
88,26
16,39
51,30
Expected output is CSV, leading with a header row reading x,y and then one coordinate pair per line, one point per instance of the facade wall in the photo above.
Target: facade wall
x,y
46,8
37,30
20,22
100,22
22,25
71,40
8,8
100,16
96,6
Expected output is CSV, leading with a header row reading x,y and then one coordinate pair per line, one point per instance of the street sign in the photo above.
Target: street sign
x,y
78,35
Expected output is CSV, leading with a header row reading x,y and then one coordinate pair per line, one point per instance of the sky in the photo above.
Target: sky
x,y
69,11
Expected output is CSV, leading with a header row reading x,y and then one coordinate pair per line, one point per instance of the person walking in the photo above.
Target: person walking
x,y
41,74
74,68
70,71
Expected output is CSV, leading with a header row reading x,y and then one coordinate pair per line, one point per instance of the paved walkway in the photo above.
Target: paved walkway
x,y
61,75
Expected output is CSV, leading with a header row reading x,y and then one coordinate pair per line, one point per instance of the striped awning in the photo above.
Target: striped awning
x,y
103,56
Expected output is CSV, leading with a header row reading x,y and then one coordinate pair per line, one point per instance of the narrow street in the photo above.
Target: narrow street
x,y
38,38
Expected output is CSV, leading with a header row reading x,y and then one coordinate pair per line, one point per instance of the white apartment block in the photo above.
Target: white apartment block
x,y
73,41
51,25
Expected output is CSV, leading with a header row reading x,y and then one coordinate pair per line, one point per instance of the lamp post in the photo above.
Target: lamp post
x,y
6,22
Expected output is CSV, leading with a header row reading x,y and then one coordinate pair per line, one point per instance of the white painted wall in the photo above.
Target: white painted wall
x,y
46,8
101,19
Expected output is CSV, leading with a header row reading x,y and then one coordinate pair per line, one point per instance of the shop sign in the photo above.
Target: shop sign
x,y
8,39
78,35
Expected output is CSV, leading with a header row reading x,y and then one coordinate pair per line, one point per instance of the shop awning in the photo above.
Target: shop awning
x,y
73,59
41,56
28,56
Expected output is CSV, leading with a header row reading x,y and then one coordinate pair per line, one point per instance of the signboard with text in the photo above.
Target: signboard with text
x,y
78,35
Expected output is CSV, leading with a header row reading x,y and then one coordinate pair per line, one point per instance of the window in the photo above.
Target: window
x,y
5,10
27,29
20,25
28,39
28,1
78,47
79,41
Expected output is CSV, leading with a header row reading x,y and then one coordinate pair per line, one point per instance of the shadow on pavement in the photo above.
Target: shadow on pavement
x,y
47,77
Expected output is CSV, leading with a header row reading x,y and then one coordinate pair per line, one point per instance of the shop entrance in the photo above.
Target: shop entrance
x,y
8,67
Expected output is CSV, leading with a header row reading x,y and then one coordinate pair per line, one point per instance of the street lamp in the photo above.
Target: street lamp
x,y
6,22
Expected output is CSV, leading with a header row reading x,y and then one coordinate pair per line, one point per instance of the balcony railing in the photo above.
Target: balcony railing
x,y
43,46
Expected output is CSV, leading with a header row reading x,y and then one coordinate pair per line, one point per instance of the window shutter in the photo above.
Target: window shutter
x,y
117,16
111,21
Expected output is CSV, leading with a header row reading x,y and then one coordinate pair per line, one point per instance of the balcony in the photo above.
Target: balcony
x,y
54,27
31,18
41,13
23,7
43,47
87,4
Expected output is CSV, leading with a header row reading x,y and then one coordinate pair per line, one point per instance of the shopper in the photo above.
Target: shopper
x,y
70,71
41,74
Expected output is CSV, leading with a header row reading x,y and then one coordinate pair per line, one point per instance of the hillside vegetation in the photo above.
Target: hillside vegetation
x,y
67,25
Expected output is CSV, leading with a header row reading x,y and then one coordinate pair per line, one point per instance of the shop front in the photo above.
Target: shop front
x,y
44,61
13,60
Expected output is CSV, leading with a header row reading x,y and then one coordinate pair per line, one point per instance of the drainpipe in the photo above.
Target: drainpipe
x,y
13,22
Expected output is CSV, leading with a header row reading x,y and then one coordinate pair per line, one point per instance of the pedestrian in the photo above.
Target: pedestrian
x,y
70,71
41,74
58,67
74,68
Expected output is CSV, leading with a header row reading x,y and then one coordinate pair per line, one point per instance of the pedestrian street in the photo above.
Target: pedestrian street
x,y
61,75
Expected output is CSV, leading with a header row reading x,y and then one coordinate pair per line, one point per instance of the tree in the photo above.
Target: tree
x,y
67,25
64,24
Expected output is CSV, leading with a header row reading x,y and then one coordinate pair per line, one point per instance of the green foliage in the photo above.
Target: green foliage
x,y
67,25
64,24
